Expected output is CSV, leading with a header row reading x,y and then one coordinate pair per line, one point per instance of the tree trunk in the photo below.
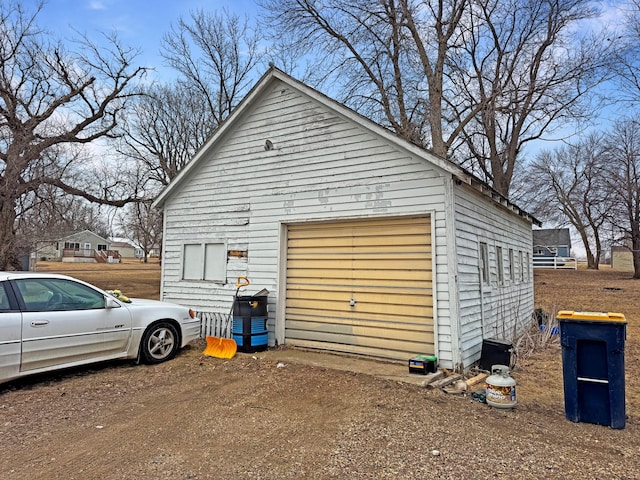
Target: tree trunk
x,y
592,261
635,235
8,249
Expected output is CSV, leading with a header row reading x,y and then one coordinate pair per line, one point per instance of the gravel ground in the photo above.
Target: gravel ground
x,y
198,417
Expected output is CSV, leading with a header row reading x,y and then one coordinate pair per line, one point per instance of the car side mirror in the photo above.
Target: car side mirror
x,y
110,302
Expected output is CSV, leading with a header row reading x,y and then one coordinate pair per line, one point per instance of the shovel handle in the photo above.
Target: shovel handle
x,y
243,282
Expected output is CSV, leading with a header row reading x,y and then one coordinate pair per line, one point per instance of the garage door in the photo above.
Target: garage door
x,y
361,287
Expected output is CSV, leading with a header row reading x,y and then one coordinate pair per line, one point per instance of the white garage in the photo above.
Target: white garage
x,y
367,243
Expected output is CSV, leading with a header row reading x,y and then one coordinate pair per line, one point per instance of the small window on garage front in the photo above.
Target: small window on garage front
x,y
205,261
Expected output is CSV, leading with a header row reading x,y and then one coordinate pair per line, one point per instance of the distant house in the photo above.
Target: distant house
x,y
154,251
84,246
127,249
552,242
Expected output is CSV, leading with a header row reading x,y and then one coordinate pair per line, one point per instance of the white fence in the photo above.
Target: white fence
x,y
215,324
569,263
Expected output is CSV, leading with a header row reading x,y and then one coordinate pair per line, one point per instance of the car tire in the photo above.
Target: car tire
x,y
159,343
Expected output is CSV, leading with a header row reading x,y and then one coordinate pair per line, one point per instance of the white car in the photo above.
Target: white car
x,y
50,321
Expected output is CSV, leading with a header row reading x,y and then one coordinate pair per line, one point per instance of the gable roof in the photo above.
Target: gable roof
x,y
116,245
82,233
124,242
272,75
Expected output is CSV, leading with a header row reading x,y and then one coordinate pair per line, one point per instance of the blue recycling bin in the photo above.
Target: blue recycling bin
x,y
593,367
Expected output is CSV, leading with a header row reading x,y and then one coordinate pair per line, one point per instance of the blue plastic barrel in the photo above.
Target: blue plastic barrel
x,y
249,324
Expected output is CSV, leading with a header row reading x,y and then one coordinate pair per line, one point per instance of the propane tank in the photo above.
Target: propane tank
x,y
501,388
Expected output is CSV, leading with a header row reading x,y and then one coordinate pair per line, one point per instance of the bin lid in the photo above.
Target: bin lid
x,y
591,316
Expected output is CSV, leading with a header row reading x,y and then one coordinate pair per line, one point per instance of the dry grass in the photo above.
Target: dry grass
x,y
133,278
606,290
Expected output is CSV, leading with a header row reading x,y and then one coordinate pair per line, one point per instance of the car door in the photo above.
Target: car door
x,y
65,323
10,333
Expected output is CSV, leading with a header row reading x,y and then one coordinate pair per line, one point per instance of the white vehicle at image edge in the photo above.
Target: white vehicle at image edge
x,y
50,321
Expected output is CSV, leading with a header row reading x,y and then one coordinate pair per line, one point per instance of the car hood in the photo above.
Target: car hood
x,y
145,302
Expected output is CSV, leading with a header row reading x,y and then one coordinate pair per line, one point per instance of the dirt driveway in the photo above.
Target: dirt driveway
x,y
319,416
203,418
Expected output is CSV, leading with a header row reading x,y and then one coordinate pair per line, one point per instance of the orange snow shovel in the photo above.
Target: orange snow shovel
x,y
220,347
225,347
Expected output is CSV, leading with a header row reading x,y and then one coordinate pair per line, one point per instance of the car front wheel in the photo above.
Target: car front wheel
x,y
159,343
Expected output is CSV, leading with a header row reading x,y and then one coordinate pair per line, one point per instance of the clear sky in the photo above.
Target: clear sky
x,y
139,23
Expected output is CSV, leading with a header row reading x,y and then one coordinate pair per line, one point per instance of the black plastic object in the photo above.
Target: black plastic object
x,y
249,328
423,364
495,352
593,367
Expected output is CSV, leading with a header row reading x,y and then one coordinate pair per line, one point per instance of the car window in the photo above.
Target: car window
x,y
55,294
4,299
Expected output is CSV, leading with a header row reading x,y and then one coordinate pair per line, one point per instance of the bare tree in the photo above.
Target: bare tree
x,y
143,224
488,73
531,71
51,97
623,180
386,58
165,128
570,184
216,55
627,60
52,214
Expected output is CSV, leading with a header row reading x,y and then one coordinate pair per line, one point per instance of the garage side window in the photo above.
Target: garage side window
x,y
522,266
484,263
512,267
205,261
500,265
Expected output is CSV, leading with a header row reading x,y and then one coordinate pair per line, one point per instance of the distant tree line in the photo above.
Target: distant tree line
x,y
593,184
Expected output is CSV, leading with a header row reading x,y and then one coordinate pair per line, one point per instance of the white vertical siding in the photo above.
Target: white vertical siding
x,y
497,310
